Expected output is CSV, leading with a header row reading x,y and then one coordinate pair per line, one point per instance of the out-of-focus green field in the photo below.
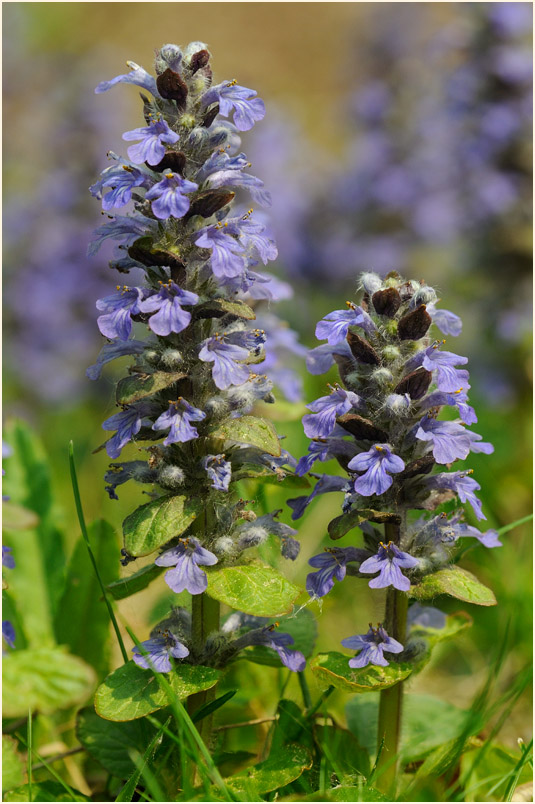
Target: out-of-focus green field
x,y
297,55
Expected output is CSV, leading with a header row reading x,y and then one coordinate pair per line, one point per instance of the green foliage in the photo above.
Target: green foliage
x,y
217,308
110,743
43,680
455,582
131,584
262,474
82,621
131,692
342,524
250,430
261,591
302,626
419,735
275,772
43,791
152,525
333,668
490,777
12,764
138,386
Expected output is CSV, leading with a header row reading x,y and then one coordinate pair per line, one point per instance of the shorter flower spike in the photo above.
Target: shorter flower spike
x,y
372,646
218,470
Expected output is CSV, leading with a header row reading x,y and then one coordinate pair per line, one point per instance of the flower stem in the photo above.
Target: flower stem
x,y
391,699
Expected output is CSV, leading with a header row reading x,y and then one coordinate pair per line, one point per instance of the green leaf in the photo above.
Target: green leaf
x,y
341,525
252,431
419,734
261,474
498,763
456,582
12,764
82,621
290,727
340,745
302,627
154,524
110,743
333,669
261,591
131,692
43,791
138,386
346,793
16,517
271,774
40,557
44,680
217,308
125,587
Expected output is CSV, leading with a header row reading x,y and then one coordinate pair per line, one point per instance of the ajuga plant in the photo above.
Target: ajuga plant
x,y
187,399
383,424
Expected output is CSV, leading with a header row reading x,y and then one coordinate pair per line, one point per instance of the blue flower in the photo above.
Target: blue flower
x,y
151,149
123,228
122,179
248,109
119,308
317,451
448,378
127,423
225,371
166,196
321,358
110,351
256,239
8,633
154,654
372,646
322,421
387,562
170,316
292,659
227,258
325,485
458,399
177,418
450,440
447,322
477,445
218,470
7,559
222,170
186,558
377,461
462,484
137,76
334,327
330,565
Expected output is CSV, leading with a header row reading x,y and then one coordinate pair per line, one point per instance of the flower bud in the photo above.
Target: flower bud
x,y
173,160
169,56
371,282
171,477
362,350
171,358
414,325
408,289
187,121
208,203
361,428
224,545
398,404
172,87
391,353
151,356
424,295
386,302
415,384
382,376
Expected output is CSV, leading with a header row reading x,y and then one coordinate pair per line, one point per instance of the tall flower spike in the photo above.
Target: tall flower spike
x,y
189,325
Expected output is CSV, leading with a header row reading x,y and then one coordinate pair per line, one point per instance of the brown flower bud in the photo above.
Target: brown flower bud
x,y
173,160
172,87
386,302
141,253
362,429
209,202
421,466
414,384
413,326
199,60
345,366
210,116
362,350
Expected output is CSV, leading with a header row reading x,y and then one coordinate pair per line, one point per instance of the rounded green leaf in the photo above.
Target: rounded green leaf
x,y
455,582
138,386
333,669
43,680
12,764
261,591
157,522
250,430
111,743
131,692
275,772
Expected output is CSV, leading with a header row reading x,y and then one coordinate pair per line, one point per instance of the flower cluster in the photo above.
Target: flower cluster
x,y
384,426
190,324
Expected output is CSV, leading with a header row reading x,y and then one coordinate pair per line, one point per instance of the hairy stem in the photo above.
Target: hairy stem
x,y
391,699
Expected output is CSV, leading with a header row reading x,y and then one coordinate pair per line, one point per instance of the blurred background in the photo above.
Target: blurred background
x,y
397,137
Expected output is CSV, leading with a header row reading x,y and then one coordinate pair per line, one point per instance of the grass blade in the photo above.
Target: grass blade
x,y
29,735
43,762
213,706
83,528
511,787
129,789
